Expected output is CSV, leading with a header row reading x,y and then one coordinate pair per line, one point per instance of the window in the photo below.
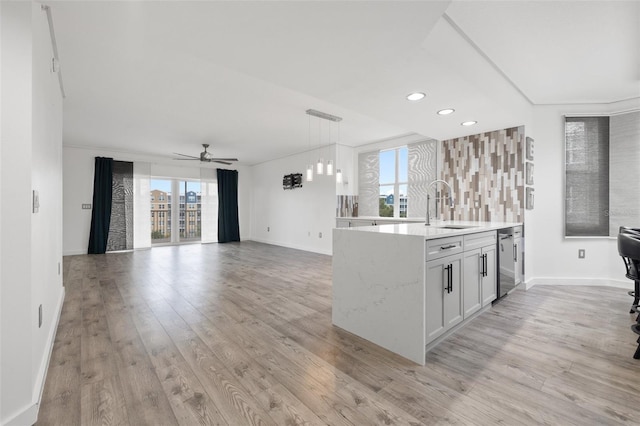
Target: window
x,y
587,176
396,179
393,179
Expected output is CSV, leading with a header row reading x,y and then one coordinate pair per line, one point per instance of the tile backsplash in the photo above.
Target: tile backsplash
x,y
486,172
347,206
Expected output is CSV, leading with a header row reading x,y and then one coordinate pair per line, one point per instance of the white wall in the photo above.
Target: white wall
x,y
16,48
46,178
78,164
295,217
555,258
31,242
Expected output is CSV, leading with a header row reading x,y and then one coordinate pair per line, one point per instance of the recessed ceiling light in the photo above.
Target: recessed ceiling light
x,y
446,111
468,123
416,96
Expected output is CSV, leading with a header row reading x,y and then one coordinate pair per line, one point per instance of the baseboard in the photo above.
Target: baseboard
x,y
29,415
292,246
73,252
44,365
593,282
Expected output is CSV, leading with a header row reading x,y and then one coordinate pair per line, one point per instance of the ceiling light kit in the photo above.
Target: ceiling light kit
x,y
320,166
415,96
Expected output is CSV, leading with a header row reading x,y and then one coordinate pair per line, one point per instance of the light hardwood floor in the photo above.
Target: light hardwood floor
x,y
241,334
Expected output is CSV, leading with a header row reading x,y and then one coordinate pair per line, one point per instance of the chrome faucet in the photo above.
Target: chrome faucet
x,y
427,222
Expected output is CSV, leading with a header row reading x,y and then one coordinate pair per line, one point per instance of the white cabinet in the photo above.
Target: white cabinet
x,y
350,222
473,263
443,294
479,276
517,254
480,271
490,277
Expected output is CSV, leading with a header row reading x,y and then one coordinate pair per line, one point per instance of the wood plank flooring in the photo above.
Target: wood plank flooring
x,y
241,334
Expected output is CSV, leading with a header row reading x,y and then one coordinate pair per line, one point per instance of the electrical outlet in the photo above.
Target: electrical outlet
x,y
86,207
59,268
40,316
319,234
268,229
309,234
581,253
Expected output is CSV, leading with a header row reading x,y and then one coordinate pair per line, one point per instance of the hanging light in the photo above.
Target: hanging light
x,y
338,171
309,166
320,163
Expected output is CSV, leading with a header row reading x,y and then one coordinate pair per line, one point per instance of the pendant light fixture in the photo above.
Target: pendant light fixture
x,y
330,161
319,165
338,171
329,167
309,166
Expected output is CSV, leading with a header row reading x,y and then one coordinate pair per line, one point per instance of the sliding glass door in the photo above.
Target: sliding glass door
x,y
164,206
190,208
160,211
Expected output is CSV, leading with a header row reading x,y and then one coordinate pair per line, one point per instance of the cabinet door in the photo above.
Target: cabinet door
x,y
434,292
452,303
517,260
490,278
343,223
472,275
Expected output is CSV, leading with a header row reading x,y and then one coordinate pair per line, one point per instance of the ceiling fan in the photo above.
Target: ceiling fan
x,y
206,157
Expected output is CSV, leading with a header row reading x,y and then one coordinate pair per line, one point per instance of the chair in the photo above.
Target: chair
x,y
629,250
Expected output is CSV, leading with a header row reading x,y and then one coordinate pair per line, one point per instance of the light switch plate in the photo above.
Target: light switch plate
x,y
86,207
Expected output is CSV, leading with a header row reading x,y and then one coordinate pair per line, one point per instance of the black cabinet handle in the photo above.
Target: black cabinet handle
x,y
515,252
448,247
445,278
449,278
484,265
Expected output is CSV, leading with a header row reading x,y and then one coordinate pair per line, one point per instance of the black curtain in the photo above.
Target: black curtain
x,y
228,226
101,212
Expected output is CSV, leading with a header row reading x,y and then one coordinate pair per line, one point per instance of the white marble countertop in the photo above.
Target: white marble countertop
x,y
435,230
383,218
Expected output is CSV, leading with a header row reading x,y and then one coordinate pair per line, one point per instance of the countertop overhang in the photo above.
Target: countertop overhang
x,y
437,229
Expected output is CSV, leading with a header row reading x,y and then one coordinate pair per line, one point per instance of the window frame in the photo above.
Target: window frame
x,y
396,183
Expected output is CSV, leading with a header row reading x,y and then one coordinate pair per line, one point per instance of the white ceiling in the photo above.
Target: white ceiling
x,y
163,77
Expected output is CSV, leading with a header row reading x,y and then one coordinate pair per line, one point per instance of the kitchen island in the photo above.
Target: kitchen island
x,y
407,286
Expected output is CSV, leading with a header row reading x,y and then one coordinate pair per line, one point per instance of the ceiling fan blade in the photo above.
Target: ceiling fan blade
x,y
186,159
224,159
185,155
221,162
